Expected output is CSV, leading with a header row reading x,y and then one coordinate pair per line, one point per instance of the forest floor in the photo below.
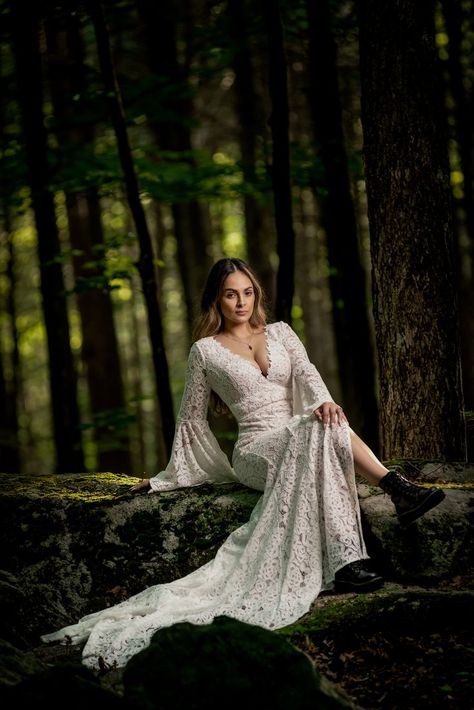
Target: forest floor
x,y
399,669
380,670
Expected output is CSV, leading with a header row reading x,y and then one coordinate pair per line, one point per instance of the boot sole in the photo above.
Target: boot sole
x,y
376,583
430,502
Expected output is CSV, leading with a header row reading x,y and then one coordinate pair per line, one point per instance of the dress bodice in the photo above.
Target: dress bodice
x,y
259,402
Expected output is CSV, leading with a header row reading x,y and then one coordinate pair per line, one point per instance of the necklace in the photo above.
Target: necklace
x,y
238,340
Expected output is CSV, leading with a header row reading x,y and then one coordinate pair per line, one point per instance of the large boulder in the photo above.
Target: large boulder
x,y
438,545
72,544
226,662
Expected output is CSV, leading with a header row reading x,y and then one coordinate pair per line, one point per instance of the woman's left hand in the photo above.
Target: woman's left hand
x,y
330,413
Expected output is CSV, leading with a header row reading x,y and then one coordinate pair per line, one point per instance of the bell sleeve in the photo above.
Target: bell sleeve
x,y
308,388
196,456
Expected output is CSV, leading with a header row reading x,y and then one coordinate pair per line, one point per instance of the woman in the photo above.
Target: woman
x,y
294,445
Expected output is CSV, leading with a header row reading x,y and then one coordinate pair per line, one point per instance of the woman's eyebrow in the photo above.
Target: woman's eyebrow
x,y
235,290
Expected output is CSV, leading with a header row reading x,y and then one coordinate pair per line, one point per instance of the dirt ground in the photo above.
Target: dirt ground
x,y
400,670
400,673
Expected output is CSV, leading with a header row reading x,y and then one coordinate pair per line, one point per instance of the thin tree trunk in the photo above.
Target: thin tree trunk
x,y
9,444
10,459
99,342
193,240
280,170
145,262
410,217
464,121
259,239
63,381
313,291
346,275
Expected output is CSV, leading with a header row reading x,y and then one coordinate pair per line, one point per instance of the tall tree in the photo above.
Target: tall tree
x,y
410,217
100,352
462,111
280,169
9,387
173,133
63,380
347,280
146,260
249,111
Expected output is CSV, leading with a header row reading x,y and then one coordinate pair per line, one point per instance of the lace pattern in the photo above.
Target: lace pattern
x,y
305,526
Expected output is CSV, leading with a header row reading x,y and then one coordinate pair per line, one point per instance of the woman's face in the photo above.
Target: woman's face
x,y
238,299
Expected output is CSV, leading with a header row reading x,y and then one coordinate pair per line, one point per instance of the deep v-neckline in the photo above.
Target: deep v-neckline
x,y
246,359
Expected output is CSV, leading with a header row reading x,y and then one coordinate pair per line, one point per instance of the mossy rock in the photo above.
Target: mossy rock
x,y
77,543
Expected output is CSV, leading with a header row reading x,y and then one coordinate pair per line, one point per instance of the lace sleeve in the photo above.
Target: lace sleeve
x,y
196,456
309,389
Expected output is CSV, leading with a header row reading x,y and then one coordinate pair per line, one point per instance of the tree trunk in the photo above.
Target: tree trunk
x,y
193,240
9,444
63,381
346,275
145,262
99,342
463,119
259,240
280,170
10,460
313,291
410,217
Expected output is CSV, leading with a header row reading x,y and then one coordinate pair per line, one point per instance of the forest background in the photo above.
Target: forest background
x,y
329,144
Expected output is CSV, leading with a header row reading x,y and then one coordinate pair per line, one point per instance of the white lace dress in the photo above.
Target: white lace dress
x,y
305,526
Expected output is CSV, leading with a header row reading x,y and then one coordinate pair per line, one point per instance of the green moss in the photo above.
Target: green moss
x,y
336,611
384,607
85,487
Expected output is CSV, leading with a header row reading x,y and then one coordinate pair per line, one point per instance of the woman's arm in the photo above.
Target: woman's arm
x,y
310,392
196,456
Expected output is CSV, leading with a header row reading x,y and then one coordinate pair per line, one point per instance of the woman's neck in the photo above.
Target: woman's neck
x,y
239,330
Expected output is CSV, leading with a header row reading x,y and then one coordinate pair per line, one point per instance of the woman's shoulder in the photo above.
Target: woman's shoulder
x,y
203,342
279,327
202,346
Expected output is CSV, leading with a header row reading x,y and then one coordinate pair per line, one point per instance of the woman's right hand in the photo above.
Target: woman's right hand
x,y
144,483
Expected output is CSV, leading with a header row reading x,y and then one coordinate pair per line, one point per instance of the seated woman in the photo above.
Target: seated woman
x,y
294,445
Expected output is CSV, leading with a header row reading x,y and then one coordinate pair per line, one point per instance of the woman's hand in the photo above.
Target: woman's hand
x,y
144,483
330,413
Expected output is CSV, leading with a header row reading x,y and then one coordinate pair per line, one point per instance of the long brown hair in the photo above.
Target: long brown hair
x,y
210,320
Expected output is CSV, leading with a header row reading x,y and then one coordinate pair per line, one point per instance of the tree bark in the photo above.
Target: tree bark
x,y
193,240
63,381
280,170
259,239
410,217
99,342
346,276
145,262
464,121
9,444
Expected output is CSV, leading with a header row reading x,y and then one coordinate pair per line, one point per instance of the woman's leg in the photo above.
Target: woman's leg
x,y
366,463
410,500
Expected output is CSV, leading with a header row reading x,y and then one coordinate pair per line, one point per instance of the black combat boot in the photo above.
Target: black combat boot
x,y
410,501
356,577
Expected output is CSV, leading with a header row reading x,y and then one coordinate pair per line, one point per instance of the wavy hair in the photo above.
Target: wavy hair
x,y
210,321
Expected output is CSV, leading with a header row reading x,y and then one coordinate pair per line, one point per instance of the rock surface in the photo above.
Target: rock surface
x,y
72,544
226,662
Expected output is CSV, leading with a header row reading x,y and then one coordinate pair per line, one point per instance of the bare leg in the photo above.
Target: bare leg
x,y
366,463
